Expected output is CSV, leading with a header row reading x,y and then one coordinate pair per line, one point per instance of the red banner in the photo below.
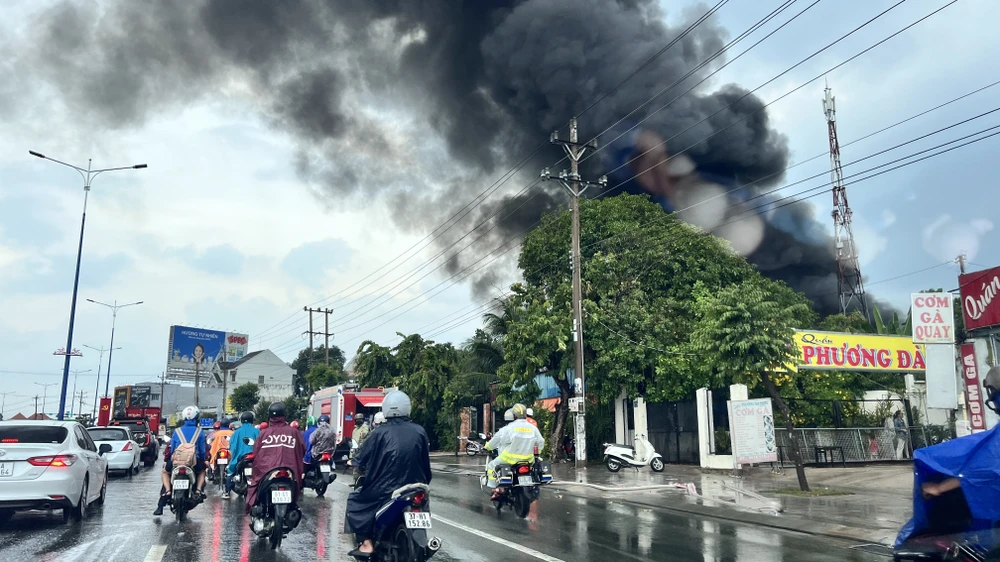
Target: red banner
x,y
104,413
980,298
973,392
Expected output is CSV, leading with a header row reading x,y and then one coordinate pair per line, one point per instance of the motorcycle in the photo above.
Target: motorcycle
x,y
521,485
320,474
401,526
182,481
244,468
568,449
641,454
221,466
276,512
474,447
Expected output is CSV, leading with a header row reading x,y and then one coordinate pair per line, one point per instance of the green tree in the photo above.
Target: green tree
x,y
893,327
854,323
244,397
305,361
746,331
375,365
323,376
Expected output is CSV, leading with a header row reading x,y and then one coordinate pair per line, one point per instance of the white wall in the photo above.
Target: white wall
x,y
277,376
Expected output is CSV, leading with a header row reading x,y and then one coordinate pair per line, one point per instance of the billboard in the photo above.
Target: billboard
x,y
933,317
980,302
973,393
752,426
199,349
834,351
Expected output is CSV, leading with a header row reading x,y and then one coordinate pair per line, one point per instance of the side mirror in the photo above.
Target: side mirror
x,y
104,448
248,441
482,436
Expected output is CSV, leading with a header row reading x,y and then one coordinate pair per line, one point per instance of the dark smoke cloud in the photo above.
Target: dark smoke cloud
x,y
489,79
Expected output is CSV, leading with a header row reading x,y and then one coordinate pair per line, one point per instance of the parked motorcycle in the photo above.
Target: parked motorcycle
x,y
183,498
244,468
640,454
521,485
401,526
474,447
320,473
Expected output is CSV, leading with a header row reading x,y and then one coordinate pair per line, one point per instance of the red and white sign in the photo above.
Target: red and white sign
x,y
973,392
933,317
980,298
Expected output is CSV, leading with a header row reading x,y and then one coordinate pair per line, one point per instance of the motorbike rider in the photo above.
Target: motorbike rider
x,y
238,449
192,434
324,438
516,443
531,417
397,453
361,430
277,446
220,441
378,420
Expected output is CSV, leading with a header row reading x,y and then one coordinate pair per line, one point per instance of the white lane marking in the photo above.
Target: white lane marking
x,y
155,553
498,540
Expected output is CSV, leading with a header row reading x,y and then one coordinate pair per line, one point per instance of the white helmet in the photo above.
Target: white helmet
x,y
508,415
531,413
396,404
379,419
191,413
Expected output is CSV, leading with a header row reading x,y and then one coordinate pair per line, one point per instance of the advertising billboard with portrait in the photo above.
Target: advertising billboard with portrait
x,y
199,348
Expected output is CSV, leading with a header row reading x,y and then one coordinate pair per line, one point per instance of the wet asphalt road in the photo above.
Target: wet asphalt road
x,y
561,527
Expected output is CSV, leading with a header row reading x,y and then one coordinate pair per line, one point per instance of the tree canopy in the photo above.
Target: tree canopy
x,y
244,397
305,361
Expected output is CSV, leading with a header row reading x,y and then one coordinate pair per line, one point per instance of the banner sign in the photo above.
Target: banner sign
x,y
199,349
973,392
751,424
933,317
834,351
980,298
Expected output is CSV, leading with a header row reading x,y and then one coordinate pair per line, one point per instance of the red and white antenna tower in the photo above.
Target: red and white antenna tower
x,y
850,286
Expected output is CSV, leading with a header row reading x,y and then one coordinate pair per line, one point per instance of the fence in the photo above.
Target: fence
x,y
863,444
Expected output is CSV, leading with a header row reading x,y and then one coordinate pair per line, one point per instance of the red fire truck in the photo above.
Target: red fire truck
x,y
130,408
342,403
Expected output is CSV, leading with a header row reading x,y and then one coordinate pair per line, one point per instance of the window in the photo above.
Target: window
x,y
90,442
32,434
233,374
260,379
81,439
108,434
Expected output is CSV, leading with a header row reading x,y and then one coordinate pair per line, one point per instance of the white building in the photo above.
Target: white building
x,y
263,368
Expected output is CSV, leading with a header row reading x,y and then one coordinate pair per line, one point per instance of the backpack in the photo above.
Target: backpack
x,y
186,453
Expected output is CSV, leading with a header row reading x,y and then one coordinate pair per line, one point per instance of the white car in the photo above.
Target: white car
x,y
50,465
125,451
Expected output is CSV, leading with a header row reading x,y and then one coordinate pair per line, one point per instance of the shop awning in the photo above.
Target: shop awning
x,y
370,401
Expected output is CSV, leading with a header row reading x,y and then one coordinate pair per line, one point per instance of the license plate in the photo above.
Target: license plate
x,y
525,481
324,468
281,496
247,472
6,469
181,484
222,461
417,520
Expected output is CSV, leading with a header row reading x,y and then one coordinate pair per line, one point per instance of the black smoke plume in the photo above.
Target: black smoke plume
x,y
489,79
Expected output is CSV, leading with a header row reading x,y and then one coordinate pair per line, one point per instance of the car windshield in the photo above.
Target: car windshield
x,y
108,434
32,434
133,425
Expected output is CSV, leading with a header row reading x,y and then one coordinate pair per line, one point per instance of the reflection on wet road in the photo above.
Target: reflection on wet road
x,y
560,527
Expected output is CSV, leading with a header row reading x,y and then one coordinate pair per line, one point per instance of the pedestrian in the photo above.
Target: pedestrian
x,y
531,417
902,435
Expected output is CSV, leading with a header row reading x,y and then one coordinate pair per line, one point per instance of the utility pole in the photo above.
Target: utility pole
x,y
960,260
100,362
76,375
35,417
326,312
81,403
3,404
45,391
575,186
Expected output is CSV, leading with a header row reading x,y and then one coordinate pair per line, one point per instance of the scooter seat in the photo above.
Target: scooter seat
x,y
406,489
622,445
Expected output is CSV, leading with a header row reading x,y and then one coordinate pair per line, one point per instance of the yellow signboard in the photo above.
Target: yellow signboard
x,y
833,351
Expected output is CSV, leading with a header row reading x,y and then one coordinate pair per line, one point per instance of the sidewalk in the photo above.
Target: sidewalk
x,y
879,504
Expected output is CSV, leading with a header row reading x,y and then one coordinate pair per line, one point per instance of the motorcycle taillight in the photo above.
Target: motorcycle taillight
x,y
282,474
536,450
249,456
182,470
523,469
419,498
325,457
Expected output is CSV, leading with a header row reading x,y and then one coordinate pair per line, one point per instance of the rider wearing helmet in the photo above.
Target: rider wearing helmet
x,y
531,417
516,443
361,430
378,420
278,446
396,453
220,441
323,438
238,449
191,433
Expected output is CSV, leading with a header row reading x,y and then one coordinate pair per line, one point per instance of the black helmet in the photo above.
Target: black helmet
x,y
225,423
276,410
991,383
324,419
246,417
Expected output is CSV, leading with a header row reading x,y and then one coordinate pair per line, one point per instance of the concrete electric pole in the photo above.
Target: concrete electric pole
x,y
326,333
575,186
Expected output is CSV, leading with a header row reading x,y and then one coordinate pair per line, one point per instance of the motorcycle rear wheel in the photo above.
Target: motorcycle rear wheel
x,y
404,550
522,502
472,448
180,507
320,490
278,530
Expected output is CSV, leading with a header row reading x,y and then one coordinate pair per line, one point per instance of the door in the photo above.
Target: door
x,y
88,452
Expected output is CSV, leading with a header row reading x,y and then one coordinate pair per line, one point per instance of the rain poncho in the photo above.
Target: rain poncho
x,y
237,448
220,441
975,460
323,439
395,454
280,445
305,437
516,443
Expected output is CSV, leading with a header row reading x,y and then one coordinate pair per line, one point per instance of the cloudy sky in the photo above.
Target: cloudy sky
x,y
293,153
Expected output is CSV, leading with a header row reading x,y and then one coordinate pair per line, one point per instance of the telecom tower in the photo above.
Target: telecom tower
x,y
850,286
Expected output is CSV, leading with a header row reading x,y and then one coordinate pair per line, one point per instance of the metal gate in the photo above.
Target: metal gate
x,y
673,430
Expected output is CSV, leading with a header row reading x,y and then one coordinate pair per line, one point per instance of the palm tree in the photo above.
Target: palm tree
x,y
893,328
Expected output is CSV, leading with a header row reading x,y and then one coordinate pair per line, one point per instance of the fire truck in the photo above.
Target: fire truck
x,y
342,403
130,408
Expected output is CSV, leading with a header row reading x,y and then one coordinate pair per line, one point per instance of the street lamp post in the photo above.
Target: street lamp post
x,y
114,316
88,176
97,388
76,375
